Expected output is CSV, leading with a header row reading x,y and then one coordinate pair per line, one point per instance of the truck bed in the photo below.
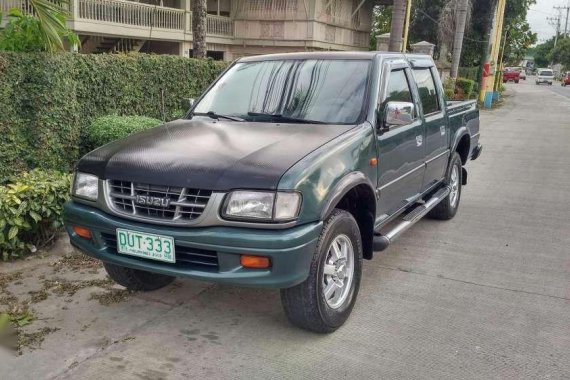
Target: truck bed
x,y
464,113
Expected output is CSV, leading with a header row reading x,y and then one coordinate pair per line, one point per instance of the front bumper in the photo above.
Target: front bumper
x,y
290,250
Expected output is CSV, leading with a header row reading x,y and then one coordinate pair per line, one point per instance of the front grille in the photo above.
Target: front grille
x,y
184,204
187,257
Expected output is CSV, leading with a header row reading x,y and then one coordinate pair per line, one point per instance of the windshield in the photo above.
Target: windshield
x,y
326,91
546,73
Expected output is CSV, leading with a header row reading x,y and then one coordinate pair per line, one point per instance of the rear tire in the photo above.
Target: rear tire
x,y
315,304
447,208
134,279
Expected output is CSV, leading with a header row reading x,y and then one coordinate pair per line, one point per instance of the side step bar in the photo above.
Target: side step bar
x,y
381,242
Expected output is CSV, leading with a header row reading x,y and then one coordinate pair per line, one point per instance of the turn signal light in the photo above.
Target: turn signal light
x,y
83,232
256,262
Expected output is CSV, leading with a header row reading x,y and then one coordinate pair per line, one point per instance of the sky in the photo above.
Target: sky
x,y
538,14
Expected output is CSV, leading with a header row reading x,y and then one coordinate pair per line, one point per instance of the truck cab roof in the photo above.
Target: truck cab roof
x,y
416,59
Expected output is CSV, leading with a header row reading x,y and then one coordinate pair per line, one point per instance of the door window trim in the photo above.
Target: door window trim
x,y
437,92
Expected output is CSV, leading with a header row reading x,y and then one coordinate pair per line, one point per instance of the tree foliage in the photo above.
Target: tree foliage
x,y
519,36
542,53
381,23
561,54
43,30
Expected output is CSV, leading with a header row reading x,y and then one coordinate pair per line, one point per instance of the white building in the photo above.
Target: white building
x,y
235,28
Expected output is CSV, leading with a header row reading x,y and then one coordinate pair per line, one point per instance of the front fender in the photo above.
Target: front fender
x,y
323,175
347,183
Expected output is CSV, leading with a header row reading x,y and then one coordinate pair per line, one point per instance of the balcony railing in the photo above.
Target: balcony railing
x,y
124,12
131,13
6,5
219,26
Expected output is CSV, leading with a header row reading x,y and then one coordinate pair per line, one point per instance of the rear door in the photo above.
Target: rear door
x,y
401,149
435,123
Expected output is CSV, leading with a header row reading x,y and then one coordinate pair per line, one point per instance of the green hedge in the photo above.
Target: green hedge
x,y
47,101
105,129
469,73
464,87
30,211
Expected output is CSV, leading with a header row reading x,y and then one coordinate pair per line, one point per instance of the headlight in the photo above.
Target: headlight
x,y
262,206
86,186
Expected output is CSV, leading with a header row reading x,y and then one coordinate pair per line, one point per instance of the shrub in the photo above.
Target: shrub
x,y
47,101
105,129
449,89
449,93
464,87
31,211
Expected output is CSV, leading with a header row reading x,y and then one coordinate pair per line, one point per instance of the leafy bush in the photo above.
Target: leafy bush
x,y
47,101
105,129
464,87
45,30
31,211
449,89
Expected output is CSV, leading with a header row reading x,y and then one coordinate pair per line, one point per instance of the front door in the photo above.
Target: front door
x,y
401,150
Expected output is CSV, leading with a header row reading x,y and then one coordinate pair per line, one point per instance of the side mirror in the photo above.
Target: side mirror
x,y
397,114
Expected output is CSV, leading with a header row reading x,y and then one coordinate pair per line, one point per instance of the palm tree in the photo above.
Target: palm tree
x,y
460,22
199,19
51,15
398,19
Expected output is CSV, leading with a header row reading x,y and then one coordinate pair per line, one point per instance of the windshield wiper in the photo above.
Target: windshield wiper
x,y
284,119
217,116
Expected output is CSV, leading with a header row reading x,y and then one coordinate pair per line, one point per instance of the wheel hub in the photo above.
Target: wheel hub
x,y
338,271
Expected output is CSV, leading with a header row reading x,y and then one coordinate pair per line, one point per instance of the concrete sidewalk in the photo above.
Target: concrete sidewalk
x,y
486,295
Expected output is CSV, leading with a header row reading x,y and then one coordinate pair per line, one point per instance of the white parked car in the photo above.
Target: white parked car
x,y
545,76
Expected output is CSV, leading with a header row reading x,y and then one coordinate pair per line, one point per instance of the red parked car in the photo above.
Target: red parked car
x,y
566,79
511,74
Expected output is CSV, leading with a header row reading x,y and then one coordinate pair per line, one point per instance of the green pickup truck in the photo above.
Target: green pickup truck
x,y
286,173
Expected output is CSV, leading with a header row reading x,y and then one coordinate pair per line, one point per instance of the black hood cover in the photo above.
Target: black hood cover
x,y
209,154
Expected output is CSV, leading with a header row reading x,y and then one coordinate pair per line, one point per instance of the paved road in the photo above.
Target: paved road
x,y
558,89
484,296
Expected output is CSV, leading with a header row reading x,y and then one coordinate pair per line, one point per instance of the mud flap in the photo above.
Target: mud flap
x,y
463,176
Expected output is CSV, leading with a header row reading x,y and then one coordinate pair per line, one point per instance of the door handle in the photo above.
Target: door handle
x,y
419,140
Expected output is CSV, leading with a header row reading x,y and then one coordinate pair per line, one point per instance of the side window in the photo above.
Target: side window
x,y
398,89
427,90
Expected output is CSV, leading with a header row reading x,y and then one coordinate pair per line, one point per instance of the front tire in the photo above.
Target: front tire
x,y
447,208
324,301
134,279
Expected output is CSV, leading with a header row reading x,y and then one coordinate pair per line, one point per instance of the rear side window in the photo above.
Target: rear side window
x,y
427,90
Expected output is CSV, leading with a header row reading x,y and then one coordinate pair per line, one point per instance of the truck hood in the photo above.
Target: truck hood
x,y
209,154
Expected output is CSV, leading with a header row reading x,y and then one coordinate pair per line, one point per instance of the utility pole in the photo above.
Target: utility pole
x,y
567,9
555,22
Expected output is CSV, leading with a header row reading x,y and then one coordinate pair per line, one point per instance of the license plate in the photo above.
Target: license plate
x,y
149,246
